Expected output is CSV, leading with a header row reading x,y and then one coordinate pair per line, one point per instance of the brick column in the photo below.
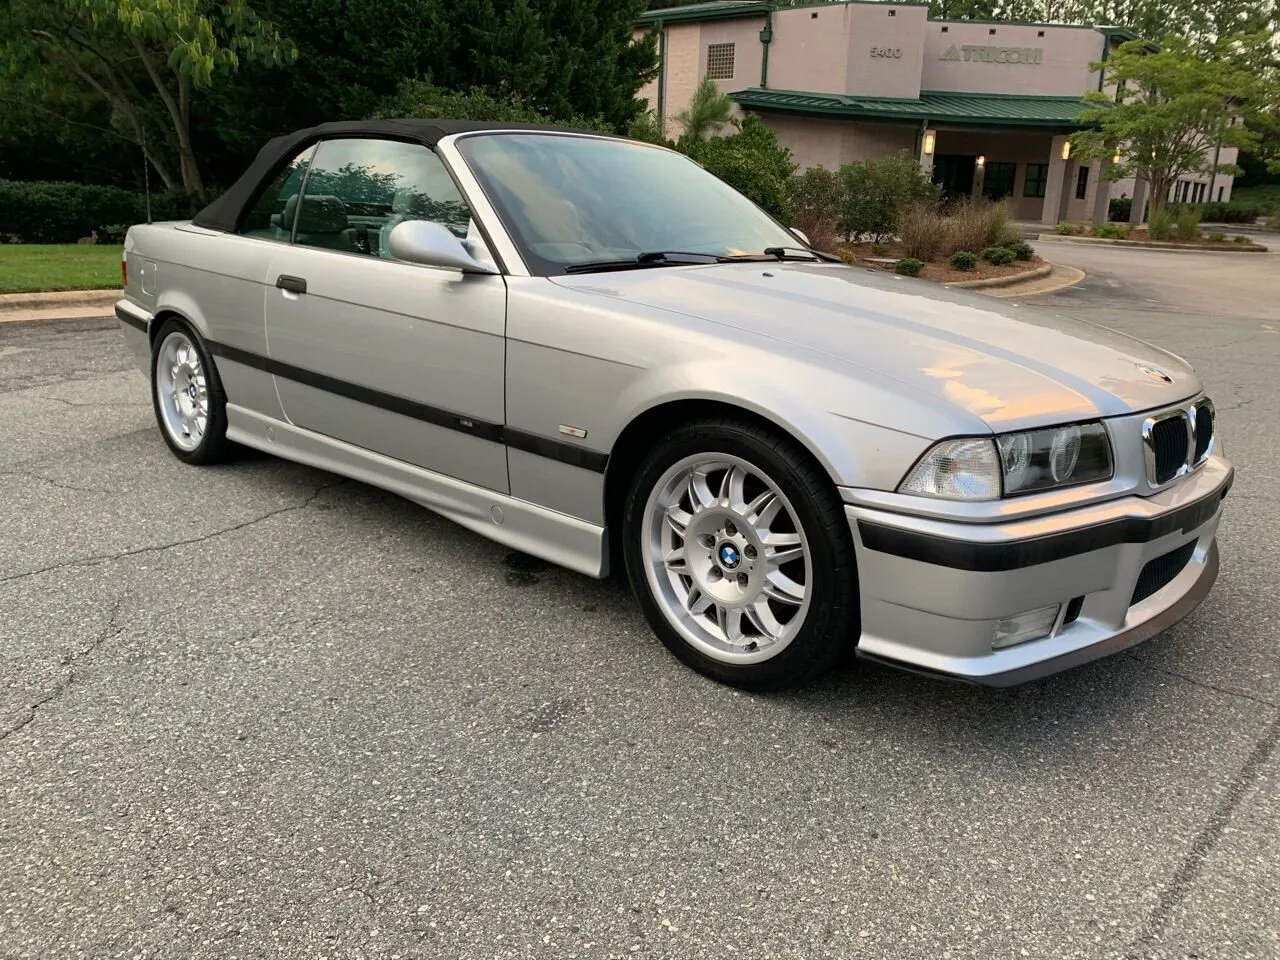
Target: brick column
x,y
979,178
1139,200
1055,186
1100,202
926,159
1070,170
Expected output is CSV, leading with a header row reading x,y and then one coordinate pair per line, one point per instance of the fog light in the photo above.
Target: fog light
x,y
1025,626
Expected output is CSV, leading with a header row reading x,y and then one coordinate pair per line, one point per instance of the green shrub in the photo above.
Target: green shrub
x,y
1109,231
647,127
1119,209
1273,222
1217,237
422,100
874,193
908,267
815,194
1023,250
1239,239
37,211
1066,229
752,162
1187,223
998,256
963,260
1160,225
1229,213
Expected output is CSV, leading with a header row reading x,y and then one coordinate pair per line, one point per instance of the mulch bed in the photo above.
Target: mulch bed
x,y
939,271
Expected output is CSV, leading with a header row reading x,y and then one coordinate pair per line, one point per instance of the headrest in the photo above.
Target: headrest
x,y
322,214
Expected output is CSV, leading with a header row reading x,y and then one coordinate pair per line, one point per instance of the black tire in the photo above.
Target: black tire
x,y
213,446
831,624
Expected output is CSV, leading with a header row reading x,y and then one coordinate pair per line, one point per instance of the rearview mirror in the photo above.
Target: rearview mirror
x,y
801,235
431,244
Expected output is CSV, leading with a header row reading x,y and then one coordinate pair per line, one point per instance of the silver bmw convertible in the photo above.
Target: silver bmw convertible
x,y
592,350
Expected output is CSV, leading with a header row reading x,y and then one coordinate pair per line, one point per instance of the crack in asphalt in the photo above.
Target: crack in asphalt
x,y
55,483
114,403
1226,691
159,548
1204,843
112,630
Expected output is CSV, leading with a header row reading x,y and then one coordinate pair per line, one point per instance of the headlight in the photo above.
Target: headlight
x,y
1012,464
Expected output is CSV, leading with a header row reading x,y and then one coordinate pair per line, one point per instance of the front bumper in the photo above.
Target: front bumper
x,y
933,590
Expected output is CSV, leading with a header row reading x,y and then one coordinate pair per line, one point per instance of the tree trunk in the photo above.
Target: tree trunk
x,y
179,117
191,179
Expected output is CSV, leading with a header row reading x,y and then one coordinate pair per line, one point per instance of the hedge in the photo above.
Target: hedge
x,y
37,211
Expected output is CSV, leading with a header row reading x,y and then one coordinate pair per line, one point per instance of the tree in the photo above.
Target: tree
x,y
141,59
751,161
708,111
1172,109
985,10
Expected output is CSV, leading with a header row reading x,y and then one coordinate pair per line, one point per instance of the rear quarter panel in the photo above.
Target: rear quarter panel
x,y
215,281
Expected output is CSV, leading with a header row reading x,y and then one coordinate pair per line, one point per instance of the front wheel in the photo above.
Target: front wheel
x,y
739,552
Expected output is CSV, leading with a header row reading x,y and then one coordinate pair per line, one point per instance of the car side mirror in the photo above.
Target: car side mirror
x,y
431,244
804,239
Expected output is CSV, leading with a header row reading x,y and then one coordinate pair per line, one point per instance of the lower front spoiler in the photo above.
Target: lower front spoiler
x,y
1179,610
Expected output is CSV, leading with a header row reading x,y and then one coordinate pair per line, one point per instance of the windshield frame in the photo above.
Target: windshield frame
x,y
511,242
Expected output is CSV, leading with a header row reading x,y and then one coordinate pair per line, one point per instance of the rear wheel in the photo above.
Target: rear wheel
x,y
186,392
738,549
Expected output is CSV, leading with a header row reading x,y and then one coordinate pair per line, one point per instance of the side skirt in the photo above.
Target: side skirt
x,y
555,537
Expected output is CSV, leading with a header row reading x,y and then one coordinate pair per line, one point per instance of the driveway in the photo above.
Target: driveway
x,y
258,711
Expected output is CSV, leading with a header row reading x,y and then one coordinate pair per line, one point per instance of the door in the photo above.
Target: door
x,y
400,359
954,173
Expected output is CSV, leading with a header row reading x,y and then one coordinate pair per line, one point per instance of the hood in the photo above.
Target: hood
x,y
1011,366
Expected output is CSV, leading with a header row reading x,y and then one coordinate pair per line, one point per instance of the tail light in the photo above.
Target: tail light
x,y
124,270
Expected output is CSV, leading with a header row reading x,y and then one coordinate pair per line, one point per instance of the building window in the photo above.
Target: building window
x,y
1220,189
997,182
720,61
1037,179
1082,183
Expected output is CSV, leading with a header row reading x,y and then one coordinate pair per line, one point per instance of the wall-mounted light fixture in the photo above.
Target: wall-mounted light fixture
x,y
981,161
1066,150
1115,157
929,139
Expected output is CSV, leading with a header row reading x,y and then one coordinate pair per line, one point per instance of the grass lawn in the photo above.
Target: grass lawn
x,y
1265,195
35,267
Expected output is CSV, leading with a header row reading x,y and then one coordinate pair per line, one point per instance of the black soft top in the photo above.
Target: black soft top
x,y
225,212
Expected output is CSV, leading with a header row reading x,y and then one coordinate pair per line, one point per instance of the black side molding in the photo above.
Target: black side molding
x,y
995,557
536,444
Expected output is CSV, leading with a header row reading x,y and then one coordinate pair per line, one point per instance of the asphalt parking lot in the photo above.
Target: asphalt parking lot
x,y
258,711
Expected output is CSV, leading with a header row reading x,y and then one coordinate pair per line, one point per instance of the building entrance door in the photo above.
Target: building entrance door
x,y
954,173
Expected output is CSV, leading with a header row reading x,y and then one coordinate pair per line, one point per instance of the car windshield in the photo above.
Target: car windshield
x,y
578,201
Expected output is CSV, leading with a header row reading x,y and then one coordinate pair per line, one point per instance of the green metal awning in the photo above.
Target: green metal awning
x,y
937,107
711,10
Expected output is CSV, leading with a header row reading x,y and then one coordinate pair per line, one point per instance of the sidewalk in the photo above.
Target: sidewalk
x,y
64,305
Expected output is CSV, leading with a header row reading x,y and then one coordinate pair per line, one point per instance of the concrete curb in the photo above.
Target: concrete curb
x,y
60,305
1154,245
988,282
1059,278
